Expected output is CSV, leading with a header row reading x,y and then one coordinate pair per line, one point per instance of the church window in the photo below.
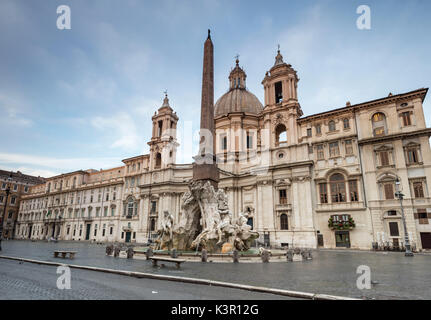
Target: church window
x,y
153,207
283,196
338,188
280,134
224,143
278,92
284,222
158,160
331,126
249,141
160,127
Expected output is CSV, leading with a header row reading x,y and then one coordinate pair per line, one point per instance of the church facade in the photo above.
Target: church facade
x,y
324,180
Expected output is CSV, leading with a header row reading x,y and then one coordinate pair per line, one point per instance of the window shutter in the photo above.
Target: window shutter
x,y
416,215
429,215
389,192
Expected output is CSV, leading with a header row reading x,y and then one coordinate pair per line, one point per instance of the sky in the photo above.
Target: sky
x,y
83,98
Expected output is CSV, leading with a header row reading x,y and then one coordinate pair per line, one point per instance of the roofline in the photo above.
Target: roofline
x,y
424,91
136,157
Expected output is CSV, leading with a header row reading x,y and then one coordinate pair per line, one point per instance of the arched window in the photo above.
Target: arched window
x,y
338,188
346,123
158,160
331,125
284,222
280,134
379,124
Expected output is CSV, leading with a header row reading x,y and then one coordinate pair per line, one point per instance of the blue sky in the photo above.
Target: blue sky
x,y
83,98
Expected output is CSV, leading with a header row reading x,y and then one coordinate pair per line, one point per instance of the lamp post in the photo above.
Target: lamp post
x,y
400,196
4,208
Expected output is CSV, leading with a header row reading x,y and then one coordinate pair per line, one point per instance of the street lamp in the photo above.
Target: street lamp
x,y
4,208
400,196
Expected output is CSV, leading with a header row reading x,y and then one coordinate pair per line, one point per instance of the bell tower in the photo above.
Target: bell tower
x,y
281,102
163,144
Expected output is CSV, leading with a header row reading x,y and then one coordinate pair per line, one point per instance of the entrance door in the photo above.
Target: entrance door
x,y
426,240
342,239
128,235
87,232
320,240
29,232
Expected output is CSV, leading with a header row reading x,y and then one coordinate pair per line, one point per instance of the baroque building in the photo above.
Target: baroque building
x,y
327,179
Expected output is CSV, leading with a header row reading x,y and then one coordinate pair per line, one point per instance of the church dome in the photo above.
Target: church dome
x,y
238,98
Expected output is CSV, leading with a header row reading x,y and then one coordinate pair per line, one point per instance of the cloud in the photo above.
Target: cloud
x,y
54,165
121,129
13,111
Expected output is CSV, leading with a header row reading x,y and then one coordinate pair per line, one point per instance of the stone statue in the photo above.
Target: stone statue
x,y
166,231
205,222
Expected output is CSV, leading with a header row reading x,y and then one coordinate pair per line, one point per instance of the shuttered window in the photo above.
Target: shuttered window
x,y
389,191
384,158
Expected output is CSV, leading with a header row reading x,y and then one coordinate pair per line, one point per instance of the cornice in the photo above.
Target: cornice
x,y
423,132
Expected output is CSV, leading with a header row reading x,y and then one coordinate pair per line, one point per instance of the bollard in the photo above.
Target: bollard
x,y
235,256
130,253
289,255
116,251
204,255
109,250
149,253
174,253
265,256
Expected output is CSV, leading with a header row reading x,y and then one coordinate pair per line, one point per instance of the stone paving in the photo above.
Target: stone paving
x,y
330,272
31,281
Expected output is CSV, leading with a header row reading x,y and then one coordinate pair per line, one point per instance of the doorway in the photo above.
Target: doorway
x,y
426,240
342,239
29,231
128,236
87,232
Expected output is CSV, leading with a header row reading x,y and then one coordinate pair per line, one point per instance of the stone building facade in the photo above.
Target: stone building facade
x,y
19,184
326,179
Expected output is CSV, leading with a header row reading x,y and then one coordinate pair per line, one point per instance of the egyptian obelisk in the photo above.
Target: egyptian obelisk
x,y
205,167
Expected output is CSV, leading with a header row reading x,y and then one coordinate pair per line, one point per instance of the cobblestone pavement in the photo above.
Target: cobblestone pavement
x,y
330,272
31,281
